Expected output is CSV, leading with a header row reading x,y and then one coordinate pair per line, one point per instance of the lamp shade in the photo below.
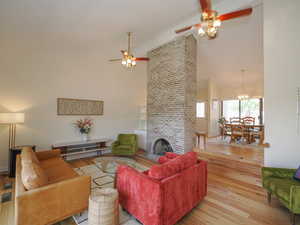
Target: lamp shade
x,y
12,118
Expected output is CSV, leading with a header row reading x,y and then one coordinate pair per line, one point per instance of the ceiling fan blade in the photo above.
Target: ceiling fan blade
x,y
115,60
187,28
205,5
141,59
183,29
236,14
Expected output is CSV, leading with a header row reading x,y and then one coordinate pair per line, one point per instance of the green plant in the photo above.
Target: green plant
x,y
222,121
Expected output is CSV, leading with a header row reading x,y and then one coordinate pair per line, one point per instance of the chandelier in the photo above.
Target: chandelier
x,y
128,60
243,96
209,24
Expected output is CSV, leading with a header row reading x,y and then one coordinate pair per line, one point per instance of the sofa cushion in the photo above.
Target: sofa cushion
x,y
173,166
57,170
171,155
28,156
163,159
125,147
127,139
52,162
33,176
281,187
189,159
297,174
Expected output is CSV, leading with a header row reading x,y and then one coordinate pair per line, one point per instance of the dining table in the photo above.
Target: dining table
x,y
254,130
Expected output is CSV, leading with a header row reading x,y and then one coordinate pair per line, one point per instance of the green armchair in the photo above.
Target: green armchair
x,y
126,145
280,183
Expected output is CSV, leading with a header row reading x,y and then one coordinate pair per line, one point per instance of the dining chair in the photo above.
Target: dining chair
x,y
258,133
237,133
225,131
236,120
241,133
248,120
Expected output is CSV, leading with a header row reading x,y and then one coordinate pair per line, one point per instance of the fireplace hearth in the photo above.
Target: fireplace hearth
x,y
161,146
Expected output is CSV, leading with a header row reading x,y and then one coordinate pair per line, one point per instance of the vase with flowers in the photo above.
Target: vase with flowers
x,y
84,126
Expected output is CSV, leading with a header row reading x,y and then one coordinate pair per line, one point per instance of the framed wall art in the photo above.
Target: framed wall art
x,y
79,107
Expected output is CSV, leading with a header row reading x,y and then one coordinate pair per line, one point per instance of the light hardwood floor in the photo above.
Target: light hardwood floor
x,y
234,198
243,153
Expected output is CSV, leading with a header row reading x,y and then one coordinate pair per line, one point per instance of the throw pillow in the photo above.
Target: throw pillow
x,y
33,176
171,155
173,166
163,159
28,156
297,174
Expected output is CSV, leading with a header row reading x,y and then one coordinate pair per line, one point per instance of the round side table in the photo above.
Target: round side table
x,y
104,207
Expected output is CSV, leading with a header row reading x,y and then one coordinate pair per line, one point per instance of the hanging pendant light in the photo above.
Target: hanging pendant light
x,y
243,95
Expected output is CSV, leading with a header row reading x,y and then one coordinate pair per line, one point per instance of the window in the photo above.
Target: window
x,y
240,109
201,110
251,108
231,109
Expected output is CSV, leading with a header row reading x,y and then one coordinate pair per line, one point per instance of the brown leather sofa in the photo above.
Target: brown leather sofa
x,y
65,194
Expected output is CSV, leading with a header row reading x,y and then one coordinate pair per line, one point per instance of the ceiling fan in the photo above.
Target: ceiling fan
x,y
128,60
211,21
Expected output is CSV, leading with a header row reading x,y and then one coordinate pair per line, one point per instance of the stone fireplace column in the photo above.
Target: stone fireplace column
x,y
171,99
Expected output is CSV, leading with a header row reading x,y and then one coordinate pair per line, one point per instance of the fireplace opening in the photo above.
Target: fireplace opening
x,y
161,146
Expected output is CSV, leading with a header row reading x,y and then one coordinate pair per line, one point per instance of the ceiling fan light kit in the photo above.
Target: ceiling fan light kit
x,y
209,24
128,60
243,96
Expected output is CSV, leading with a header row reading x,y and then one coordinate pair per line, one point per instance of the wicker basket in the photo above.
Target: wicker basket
x,y
104,207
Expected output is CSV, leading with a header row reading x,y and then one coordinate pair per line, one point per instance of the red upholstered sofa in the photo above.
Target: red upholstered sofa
x,y
166,192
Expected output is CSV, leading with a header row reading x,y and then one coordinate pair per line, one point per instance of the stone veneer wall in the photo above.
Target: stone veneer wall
x,y
171,99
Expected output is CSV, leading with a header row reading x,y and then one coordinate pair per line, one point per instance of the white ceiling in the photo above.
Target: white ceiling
x,y
102,21
101,25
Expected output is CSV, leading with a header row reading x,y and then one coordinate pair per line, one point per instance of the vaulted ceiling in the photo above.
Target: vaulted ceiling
x,y
101,25
103,22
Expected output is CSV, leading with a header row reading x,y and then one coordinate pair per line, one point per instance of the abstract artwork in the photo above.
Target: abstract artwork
x,y
79,107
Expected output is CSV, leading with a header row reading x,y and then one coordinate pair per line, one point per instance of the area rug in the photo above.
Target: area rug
x,y
102,173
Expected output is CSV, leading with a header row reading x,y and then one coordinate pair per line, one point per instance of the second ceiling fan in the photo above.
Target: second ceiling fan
x,y
211,21
128,60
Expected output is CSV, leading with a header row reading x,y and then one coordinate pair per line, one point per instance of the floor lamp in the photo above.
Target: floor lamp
x,y
12,119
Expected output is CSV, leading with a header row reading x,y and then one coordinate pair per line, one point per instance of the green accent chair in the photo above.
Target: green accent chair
x,y
126,145
280,183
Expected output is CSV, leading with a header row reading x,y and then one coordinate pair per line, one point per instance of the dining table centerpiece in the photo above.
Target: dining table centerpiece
x,y
85,127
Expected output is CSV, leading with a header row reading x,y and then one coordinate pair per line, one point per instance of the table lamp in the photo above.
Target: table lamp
x,y
12,119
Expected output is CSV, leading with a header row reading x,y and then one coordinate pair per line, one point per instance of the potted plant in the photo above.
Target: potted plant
x,y
84,126
222,121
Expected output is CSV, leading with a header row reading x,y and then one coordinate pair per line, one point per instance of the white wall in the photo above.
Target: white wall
x,y
282,76
202,96
34,72
214,109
